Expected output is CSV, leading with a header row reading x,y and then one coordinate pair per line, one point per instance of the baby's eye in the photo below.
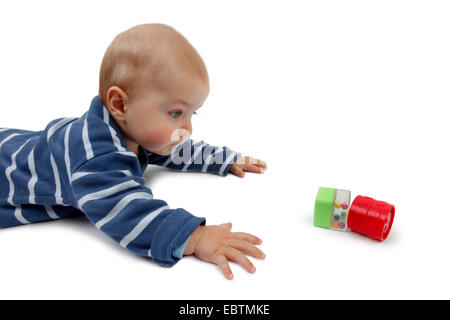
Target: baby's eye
x,y
175,114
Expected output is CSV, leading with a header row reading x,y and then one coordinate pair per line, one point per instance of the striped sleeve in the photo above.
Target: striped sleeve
x,y
118,203
197,156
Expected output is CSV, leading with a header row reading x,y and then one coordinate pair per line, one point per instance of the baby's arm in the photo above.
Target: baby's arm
x,y
118,203
200,156
216,244
197,156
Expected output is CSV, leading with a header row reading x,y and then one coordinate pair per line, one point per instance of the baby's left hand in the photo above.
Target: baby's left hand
x,y
247,164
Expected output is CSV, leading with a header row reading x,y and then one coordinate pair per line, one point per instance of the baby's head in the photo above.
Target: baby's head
x,y
152,81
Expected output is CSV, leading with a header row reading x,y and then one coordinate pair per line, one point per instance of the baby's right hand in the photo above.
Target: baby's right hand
x,y
216,244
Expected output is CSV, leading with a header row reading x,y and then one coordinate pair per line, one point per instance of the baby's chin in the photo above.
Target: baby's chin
x,y
165,151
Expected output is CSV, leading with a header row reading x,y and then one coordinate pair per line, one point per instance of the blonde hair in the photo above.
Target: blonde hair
x,y
141,54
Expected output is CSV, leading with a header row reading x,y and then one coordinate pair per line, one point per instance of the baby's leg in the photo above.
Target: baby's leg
x,y
30,213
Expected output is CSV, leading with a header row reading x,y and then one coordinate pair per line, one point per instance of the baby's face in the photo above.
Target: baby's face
x,y
159,118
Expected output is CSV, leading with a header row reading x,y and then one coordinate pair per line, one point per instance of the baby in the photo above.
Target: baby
x,y
151,83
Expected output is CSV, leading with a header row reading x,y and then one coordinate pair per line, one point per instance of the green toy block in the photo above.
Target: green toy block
x,y
323,207
331,209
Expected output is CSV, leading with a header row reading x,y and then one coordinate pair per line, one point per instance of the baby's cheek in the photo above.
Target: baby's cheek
x,y
168,135
155,139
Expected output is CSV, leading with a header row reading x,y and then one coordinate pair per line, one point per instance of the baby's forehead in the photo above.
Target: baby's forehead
x,y
178,89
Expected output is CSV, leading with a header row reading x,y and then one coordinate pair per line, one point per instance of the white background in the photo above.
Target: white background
x,y
345,94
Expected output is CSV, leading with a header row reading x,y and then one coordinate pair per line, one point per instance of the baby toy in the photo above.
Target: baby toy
x,y
365,215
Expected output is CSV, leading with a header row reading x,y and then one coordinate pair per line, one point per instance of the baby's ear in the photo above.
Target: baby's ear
x,y
116,99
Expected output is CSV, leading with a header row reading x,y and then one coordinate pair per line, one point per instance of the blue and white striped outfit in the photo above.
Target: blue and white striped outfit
x,y
83,166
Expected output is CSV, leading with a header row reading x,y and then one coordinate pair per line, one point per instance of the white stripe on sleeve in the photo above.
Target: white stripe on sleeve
x,y
121,205
107,192
141,226
78,175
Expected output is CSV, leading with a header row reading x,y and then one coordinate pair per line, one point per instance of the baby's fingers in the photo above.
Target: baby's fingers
x,y
240,258
253,168
248,248
238,171
261,163
248,237
223,264
227,226
258,163
250,160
